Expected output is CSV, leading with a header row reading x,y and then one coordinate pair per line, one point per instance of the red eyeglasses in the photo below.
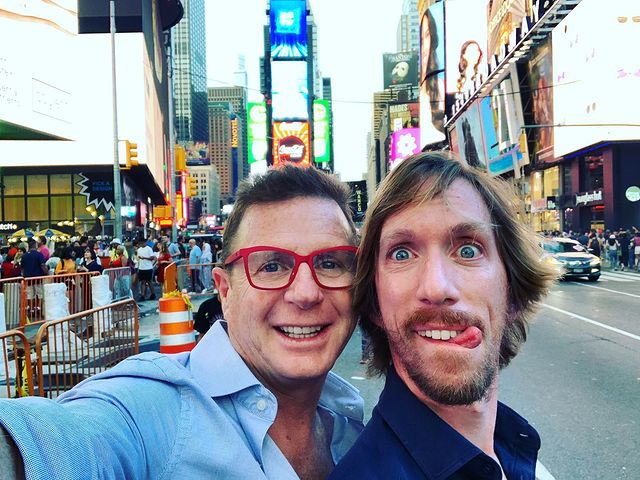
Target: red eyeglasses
x,y
273,268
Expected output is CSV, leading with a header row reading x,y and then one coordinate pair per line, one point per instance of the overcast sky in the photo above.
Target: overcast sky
x,y
352,36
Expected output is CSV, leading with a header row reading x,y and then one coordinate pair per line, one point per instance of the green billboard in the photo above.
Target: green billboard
x,y
321,131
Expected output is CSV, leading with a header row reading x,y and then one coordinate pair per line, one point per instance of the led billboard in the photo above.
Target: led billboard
x,y
404,143
288,29
38,60
404,115
289,90
291,143
542,90
432,86
471,147
256,132
321,131
400,69
596,75
466,40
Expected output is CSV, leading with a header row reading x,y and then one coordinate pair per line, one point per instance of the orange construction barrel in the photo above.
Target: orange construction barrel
x,y
176,327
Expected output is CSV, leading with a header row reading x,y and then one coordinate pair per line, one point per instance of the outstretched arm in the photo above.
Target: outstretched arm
x,y
11,463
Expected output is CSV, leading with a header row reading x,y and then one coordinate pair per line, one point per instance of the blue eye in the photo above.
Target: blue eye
x,y
400,254
469,252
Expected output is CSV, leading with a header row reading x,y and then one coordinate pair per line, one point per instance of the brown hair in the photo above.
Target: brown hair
x,y
281,184
418,179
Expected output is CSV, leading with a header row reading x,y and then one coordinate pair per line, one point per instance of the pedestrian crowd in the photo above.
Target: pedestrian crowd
x,y
620,248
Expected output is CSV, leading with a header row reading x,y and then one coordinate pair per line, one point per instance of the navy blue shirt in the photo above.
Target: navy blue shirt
x,y
405,439
31,264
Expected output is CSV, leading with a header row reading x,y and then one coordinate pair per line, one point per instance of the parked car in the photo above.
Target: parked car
x,y
572,259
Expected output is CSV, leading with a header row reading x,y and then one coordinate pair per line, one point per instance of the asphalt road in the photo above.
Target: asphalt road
x,y
577,379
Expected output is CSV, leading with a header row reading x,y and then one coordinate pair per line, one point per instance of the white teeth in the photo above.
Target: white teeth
x,y
301,332
438,334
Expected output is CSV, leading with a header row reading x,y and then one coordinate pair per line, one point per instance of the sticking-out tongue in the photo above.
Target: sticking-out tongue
x,y
468,338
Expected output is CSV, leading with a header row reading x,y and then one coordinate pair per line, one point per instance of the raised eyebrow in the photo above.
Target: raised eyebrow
x,y
471,229
403,235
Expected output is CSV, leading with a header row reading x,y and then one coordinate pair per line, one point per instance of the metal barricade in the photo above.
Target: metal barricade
x,y
11,287
16,372
170,278
79,346
196,279
119,282
32,294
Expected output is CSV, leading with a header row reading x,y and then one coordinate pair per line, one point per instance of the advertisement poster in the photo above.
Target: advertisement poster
x,y
321,131
256,132
291,143
400,69
404,143
542,90
471,146
289,90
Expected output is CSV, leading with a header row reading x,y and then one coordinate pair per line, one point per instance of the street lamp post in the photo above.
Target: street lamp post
x,y
117,227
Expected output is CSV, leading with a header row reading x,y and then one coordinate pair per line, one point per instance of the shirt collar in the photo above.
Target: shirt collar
x,y
438,448
229,374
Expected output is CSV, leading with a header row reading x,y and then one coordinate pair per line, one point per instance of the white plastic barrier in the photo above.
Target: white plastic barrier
x,y
101,295
56,306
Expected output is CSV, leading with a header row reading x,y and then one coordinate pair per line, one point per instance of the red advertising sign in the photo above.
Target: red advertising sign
x,y
291,143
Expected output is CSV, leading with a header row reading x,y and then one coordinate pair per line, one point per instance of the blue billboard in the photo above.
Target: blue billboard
x,y
288,29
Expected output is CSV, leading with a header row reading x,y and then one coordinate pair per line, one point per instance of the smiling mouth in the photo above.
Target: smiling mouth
x,y
470,337
438,334
301,332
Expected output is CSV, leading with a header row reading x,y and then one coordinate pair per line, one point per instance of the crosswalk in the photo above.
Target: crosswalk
x,y
609,276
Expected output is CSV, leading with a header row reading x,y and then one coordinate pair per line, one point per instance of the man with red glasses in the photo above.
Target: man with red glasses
x,y
255,398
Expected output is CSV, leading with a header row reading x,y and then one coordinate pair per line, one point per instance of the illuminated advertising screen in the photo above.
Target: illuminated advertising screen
x,y
471,148
404,115
504,17
37,65
502,120
321,131
432,110
400,69
432,41
432,93
197,153
289,90
542,90
288,29
359,199
404,143
466,41
291,143
256,132
596,71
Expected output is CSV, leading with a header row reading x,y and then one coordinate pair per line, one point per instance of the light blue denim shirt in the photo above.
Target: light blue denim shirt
x,y
192,415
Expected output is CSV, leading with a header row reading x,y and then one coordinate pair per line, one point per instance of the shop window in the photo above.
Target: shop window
x,y
552,182
13,185
37,185
60,184
38,208
80,207
591,173
76,187
61,205
14,209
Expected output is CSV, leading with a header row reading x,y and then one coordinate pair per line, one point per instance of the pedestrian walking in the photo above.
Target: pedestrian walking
x,y
612,248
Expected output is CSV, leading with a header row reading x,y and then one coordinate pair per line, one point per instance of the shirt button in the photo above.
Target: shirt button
x,y
261,405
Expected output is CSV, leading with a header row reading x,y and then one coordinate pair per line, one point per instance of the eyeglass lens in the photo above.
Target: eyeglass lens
x,y
273,269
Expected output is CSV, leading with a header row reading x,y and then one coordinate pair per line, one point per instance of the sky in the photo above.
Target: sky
x,y
352,36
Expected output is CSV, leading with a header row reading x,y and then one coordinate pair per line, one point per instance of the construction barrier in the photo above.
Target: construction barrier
x,y
176,326
119,282
195,279
16,373
32,294
11,288
76,347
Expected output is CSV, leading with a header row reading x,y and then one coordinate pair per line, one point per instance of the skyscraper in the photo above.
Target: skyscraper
x,y
190,74
408,32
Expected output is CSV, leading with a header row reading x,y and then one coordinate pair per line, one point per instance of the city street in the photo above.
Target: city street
x,y
577,379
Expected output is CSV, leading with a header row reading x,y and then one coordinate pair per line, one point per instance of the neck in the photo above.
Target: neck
x,y
475,422
302,434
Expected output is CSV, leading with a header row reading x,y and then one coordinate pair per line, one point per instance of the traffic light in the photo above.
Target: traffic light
x,y
132,153
181,158
192,186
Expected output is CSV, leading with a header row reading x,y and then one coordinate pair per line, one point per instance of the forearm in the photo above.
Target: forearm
x,y
11,463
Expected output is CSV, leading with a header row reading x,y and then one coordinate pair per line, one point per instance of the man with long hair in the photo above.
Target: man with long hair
x,y
446,283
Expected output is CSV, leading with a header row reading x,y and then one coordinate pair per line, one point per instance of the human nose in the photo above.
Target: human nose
x,y
437,284
304,291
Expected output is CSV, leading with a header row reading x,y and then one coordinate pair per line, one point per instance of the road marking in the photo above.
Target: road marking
x,y
593,322
542,473
607,290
